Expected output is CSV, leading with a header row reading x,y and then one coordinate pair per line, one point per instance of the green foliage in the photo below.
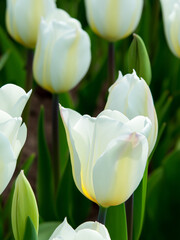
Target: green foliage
x,y
163,201
116,222
30,232
45,189
139,206
46,229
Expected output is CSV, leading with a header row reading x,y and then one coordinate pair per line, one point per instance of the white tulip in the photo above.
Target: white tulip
x,y
108,154
62,55
13,99
12,139
86,231
23,18
171,17
112,19
132,96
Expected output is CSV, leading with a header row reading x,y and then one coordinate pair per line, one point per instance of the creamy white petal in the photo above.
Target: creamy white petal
x,y
171,17
70,118
109,18
13,99
21,138
88,235
7,162
142,125
64,231
123,166
96,226
23,19
131,96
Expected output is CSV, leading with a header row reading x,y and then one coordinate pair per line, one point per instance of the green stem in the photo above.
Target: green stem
x,y
55,139
129,216
102,215
111,63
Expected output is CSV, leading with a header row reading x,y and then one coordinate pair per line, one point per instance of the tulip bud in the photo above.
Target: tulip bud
x,y
131,96
86,231
23,19
171,13
113,20
62,55
108,145
23,206
138,59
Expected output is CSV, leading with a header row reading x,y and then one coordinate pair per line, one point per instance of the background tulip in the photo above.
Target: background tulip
x,y
109,145
62,55
86,231
12,139
171,17
132,96
23,19
13,99
113,20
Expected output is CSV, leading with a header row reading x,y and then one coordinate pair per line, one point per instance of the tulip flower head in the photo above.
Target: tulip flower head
x,y
12,132
23,18
86,231
62,55
112,19
131,96
171,17
12,138
108,154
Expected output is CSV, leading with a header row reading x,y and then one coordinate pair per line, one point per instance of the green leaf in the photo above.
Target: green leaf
x,y
4,59
45,177
139,206
116,222
30,232
46,229
66,101
14,70
64,196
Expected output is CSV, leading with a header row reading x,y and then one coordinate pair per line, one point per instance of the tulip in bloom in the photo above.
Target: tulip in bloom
x,y
12,138
108,154
86,231
131,96
112,19
171,17
13,99
23,18
23,205
62,55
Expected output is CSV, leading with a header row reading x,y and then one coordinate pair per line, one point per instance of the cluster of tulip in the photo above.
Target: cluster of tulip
x,y
109,152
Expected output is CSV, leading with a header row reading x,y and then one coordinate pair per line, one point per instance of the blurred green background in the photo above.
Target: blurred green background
x,y
162,210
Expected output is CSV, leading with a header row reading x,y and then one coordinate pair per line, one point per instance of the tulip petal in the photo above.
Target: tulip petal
x,y
70,118
123,166
21,138
88,235
96,226
63,231
131,96
15,104
142,125
7,162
